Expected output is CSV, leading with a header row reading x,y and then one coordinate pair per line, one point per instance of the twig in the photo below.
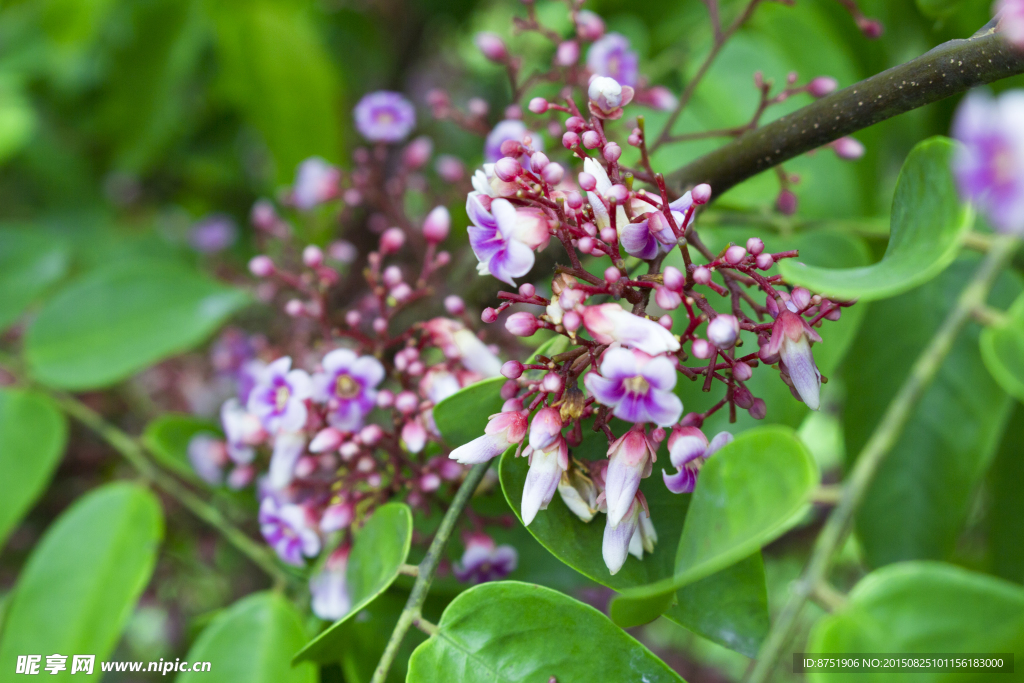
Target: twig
x,y
885,436
412,615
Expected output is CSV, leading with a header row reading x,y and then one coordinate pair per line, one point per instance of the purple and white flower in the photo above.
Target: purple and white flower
x,y
503,430
348,385
989,165
611,56
688,448
630,459
646,238
243,431
278,399
608,97
1011,21
316,182
482,561
791,337
609,323
619,535
288,448
603,185
644,537
384,116
328,589
637,387
510,129
213,233
208,456
459,343
486,182
504,237
549,459
289,530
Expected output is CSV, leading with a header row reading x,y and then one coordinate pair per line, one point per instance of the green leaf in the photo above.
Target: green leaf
x,y
80,584
747,495
252,642
927,225
167,438
117,321
17,118
928,478
1002,349
923,607
30,263
738,621
462,416
938,9
276,70
377,555
367,636
1004,516
511,631
33,433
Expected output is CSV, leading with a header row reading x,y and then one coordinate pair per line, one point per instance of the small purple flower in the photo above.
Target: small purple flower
x,y
482,561
610,56
989,166
510,129
619,535
630,459
504,238
278,399
208,456
385,116
791,337
608,323
549,458
288,530
688,448
243,431
328,589
213,233
647,238
502,430
348,385
316,182
637,387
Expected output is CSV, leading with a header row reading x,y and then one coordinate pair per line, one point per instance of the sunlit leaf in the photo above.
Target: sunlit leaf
x,y
928,223
511,631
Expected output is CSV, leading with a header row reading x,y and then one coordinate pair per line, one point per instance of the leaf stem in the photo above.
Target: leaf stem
x,y
885,436
411,614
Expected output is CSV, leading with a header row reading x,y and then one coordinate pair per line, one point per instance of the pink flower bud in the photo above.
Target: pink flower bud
x,y
545,427
294,308
701,194
417,153
392,240
522,324
834,314
702,349
380,325
526,289
512,369
538,161
702,275
612,274
568,53
589,26
587,245
454,305
570,140
673,279
633,140
765,261
489,315
735,254
766,356
328,439
514,111
575,124
509,389
871,28
755,246
450,168
611,152
552,383
571,321
401,291
801,298
591,140
508,169
587,181
758,410
743,398
609,236
573,200
263,215
538,105
822,85
666,298
312,256
392,276
723,331
553,174
742,372
848,148
370,435
437,224
385,398
492,46
342,250
510,148
786,203
620,194
406,402
261,266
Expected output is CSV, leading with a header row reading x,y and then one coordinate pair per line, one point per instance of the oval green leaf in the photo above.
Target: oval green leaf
x,y
377,555
928,222
511,632
80,584
462,416
167,438
252,642
730,608
33,433
116,321
1002,349
747,495
923,607
30,263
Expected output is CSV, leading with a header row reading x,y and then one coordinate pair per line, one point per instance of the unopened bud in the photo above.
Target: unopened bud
x,y
552,383
568,53
489,315
437,224
512,369
735,254
848,148
786,202
570,140
620,194
406,402
611,152
723,331
522,324
492,46
507,169
758,410
702,275
666,298
417,152
591,140
822,85
612,274
674,279
701,194
573,200
538,105
589,26
742,372
392,240
553,174
294,308
702,349
261,266
755,246
587,181
765,261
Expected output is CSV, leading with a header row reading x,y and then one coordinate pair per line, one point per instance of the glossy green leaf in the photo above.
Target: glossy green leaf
x,y
511,631
927,225
928,479
730,608
923,607
380,548
367,635
252,642
462,416
1002,349
33,433
30,263
747,495
79,586
116,321
167,438
1004,515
